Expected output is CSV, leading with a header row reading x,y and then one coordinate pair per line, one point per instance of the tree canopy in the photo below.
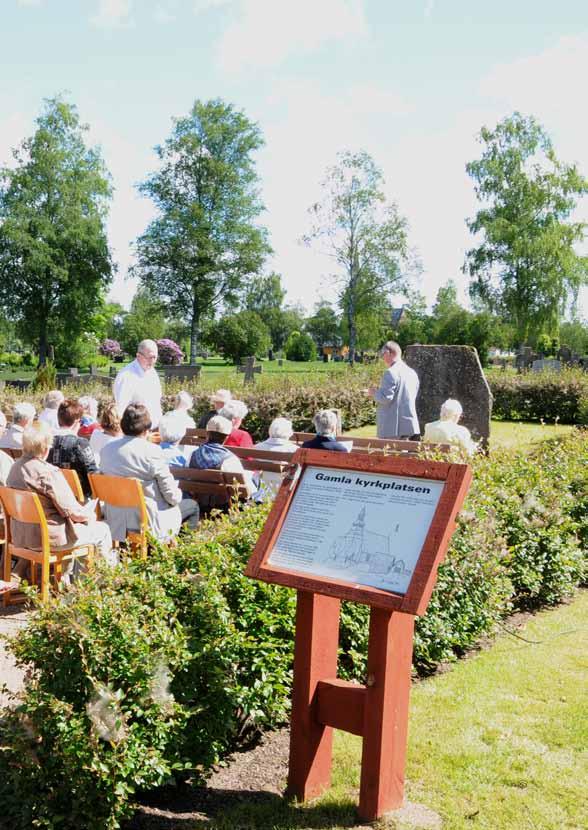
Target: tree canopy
x,y
203,245
54,259
364,235
525,266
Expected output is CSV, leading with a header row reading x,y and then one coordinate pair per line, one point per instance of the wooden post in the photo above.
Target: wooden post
x,y
315,659
385,729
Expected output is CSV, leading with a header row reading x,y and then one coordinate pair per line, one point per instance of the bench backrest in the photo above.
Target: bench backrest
x,y
211,488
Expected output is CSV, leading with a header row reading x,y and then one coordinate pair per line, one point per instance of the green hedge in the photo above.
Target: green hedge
x,y
156,670
541,396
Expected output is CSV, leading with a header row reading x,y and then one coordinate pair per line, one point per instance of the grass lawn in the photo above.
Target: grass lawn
x,y
497,743
503,433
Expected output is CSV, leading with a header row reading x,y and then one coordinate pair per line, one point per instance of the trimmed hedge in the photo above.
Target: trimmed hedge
x,y
541,396
156,670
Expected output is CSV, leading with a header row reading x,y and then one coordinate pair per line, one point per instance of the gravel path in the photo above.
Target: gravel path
x,y
11,620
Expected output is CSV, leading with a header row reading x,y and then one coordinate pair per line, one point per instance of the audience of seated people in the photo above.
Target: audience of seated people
x,y
171,431
51,401
235,411
69,522
183,404
109,429
213,454
88,421
218,400
23,416
69,451
325,424
134,456
280,432
447,430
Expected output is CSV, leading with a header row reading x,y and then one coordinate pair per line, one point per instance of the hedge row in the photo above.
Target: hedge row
x,y
154,671
537,397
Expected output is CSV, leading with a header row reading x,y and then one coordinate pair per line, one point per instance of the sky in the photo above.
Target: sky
x,y
410,81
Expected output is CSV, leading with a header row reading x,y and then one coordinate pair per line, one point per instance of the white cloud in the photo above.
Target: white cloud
x,y
163,15
30,3
113,14
429,8
267,33
205,5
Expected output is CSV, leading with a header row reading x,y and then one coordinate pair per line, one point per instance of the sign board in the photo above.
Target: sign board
x,y
358,527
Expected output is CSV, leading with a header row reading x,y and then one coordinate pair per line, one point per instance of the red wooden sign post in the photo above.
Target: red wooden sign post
x,y
426,493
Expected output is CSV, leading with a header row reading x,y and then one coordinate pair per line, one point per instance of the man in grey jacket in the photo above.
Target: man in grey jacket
x,y
396,396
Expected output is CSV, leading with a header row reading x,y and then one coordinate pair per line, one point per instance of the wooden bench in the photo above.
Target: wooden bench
x,y
210,488
369,445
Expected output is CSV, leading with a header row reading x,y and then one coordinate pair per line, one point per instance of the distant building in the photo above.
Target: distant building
x,y
398,316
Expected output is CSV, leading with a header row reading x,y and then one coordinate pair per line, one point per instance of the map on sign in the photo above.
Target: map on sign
x,y
362,528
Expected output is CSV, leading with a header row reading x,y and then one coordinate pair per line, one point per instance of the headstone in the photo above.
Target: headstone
x,y
452,372
270,354
565,354
280,361
51,354
73,370
552,364
185,371
249,369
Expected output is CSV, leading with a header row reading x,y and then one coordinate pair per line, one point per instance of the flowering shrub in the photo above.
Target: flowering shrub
x,y
170,353
155,668
110,348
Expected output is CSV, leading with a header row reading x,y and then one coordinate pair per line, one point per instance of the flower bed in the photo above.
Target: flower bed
x,y
156,670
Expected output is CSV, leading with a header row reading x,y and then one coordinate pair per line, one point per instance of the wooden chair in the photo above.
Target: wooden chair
x,y
75,486
124,492
23,506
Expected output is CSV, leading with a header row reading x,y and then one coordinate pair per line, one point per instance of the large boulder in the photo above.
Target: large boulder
x,y
452,372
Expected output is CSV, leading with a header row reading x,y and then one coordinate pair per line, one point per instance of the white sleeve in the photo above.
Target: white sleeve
x,y
123,391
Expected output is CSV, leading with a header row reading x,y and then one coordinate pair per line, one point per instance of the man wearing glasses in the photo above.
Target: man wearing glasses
x,y
139,382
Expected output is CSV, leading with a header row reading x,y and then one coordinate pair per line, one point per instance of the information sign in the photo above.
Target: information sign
x,y
368,528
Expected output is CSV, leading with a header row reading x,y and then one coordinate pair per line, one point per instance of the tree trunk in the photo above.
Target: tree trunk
x,y
194,331
43,344
352,327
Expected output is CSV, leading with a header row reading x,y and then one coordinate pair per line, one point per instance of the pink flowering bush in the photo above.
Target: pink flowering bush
x,y
170,353
110,348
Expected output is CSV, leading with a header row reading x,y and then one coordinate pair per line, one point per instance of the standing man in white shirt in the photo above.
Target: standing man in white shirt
x,y
139,382
396,396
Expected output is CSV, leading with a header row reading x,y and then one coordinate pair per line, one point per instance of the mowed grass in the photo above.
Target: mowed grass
x,y
497,743
505,434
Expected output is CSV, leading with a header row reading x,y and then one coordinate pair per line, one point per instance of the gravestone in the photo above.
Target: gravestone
x,y
538,366
249,369
565,354
452,372
185,371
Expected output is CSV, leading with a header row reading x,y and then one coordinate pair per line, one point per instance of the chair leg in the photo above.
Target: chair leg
x,y
44,581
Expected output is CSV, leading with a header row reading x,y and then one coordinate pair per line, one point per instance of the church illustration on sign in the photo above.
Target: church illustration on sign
x,y
365,551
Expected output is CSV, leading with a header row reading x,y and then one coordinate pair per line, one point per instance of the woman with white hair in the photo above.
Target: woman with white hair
x,y
171,431
89,419
325,424
23,416
51,402
235,411
69,522
280,432
447,430
183,404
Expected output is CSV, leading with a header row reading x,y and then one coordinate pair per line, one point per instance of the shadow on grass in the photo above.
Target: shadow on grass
x,y
198,808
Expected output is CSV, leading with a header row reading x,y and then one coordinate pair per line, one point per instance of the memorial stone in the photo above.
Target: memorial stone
x,y
452,372
538,365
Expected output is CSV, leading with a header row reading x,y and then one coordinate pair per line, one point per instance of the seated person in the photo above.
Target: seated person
x,y
213,455
5,465
134,456
280,432
447,431
171,431
325,424
69,522
183,404
68,450
235,411
51,403
218,400
109,429
88,421
23,416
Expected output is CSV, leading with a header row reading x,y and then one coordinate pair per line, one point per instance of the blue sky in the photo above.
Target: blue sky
x,y
411,82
